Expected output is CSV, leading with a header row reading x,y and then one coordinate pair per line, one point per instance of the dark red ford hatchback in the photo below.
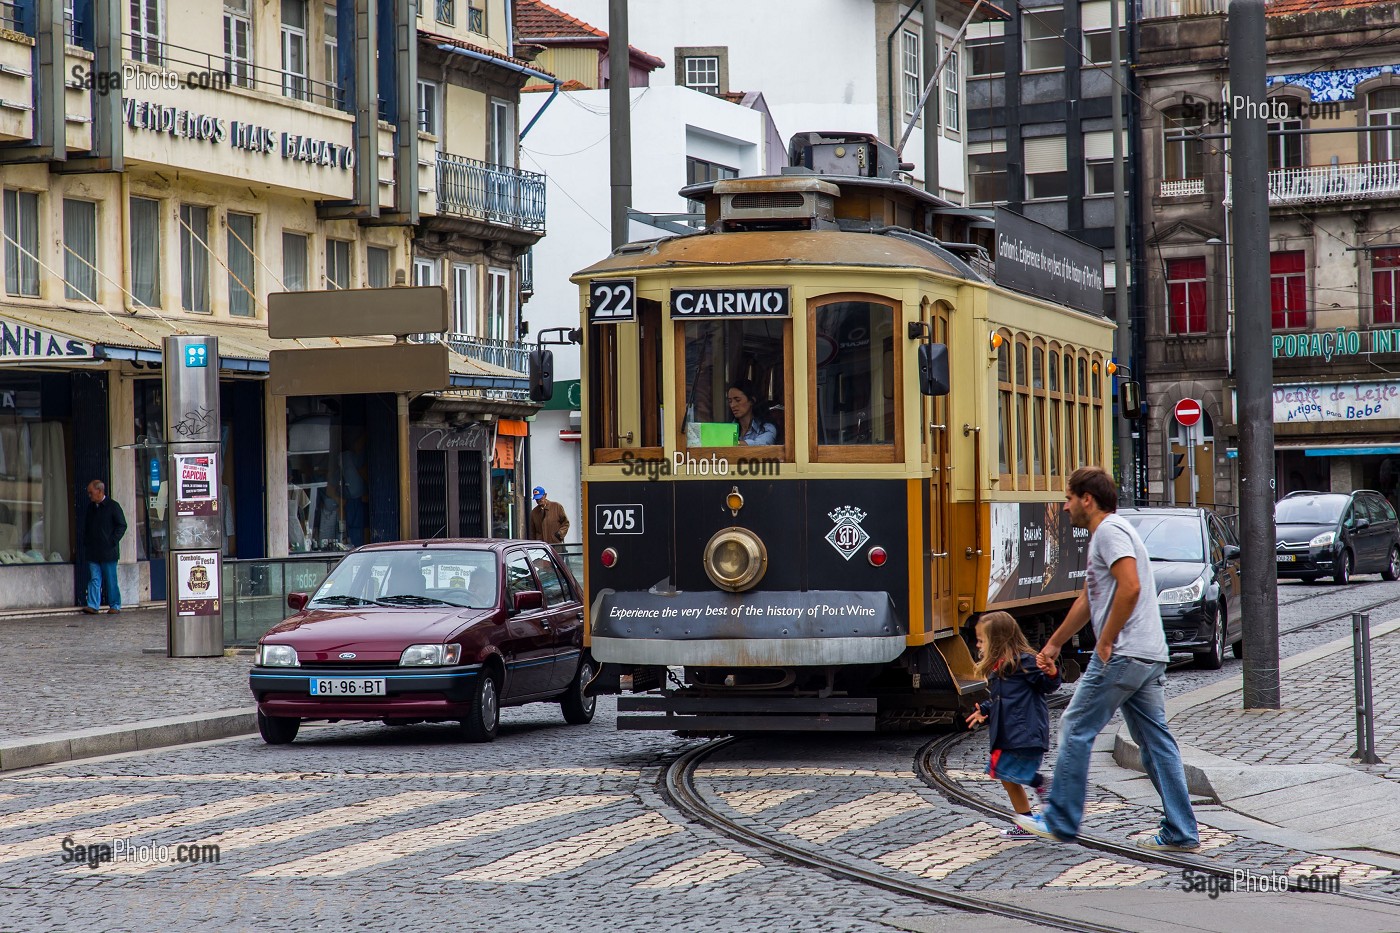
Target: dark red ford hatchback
x,y
427,631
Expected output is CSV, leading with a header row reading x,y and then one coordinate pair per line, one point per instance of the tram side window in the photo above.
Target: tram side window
x,y
1004,408
734,379
602,408
855,402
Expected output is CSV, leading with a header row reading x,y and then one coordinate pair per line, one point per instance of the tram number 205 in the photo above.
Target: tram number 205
x,y
618,520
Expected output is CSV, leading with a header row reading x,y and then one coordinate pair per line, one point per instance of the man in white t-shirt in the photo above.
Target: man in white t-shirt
x,y
1127,671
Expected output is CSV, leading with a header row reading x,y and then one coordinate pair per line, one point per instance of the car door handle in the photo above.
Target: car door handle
x,y
544,623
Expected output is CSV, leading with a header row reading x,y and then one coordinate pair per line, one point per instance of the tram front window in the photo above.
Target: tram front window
x,y
855,373
734,373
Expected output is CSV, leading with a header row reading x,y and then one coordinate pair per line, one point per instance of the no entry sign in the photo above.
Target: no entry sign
x,y
1187,412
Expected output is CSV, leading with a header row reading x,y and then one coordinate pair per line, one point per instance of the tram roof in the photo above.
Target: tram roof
x,y
777,248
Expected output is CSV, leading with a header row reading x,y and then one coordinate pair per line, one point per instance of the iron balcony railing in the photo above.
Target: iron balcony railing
x,y
1183,187
195,68
493,193
512,354
1357,181
1171,9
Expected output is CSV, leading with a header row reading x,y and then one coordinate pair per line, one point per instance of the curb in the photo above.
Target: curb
x,y
31,751
1199,763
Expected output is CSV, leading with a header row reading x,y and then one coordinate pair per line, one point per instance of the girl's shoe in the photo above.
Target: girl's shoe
x,y
1016,832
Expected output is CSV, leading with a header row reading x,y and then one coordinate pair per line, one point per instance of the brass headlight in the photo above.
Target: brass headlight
x,y
735,559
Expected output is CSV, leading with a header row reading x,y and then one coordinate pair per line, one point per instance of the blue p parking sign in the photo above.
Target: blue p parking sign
x,y
196,356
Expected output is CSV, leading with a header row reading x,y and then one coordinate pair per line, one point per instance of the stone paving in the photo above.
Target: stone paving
x,y
80,671
1317,724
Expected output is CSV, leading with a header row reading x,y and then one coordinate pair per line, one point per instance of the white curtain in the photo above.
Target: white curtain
x,y
80,254
145,251
241,279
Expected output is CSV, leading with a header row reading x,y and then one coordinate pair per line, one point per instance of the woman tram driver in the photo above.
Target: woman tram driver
x,y
754,429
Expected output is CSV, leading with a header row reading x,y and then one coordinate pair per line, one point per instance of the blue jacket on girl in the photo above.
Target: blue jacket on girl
x,y
1017,715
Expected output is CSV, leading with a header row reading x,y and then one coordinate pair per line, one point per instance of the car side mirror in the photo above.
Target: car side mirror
x,y
297,601
1232,552
528,599
1363,523
541,375
933,369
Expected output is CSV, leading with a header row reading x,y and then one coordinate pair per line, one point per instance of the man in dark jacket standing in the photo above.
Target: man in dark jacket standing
x,y
102,534
548,521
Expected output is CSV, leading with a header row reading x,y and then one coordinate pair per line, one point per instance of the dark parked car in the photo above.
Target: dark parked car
x,y
427,631
1335,534
1196,565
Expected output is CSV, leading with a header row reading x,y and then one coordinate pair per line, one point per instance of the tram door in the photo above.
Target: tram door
x,y
938,426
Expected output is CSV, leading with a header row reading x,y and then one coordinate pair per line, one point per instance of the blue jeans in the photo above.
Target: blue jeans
x,y
103,575
1139,689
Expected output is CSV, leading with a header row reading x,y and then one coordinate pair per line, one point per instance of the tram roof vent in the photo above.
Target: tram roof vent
x,y
786,203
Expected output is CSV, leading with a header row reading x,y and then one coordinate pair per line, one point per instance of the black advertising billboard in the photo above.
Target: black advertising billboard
x,y
1044,262
1035,552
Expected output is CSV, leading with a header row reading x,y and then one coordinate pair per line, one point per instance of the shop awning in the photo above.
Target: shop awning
x,y
1352,450
242,347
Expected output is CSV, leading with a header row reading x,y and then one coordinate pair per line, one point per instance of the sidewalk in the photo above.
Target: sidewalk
x,y
81,685
1291,767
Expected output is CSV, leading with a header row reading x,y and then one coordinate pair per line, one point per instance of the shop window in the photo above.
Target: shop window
x,y
855,369
145,252
294,273
194,257
35,507
21,243
242,270
735,373
148,514
79,250
1288,288
327,473
1385,276
1186,296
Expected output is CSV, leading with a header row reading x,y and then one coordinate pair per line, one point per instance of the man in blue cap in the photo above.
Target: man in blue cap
x,y
548,522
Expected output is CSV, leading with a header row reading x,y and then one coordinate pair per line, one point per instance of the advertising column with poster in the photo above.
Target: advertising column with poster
x,y
196,484
196,583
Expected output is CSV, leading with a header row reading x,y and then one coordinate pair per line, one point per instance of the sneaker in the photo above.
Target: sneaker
x,y
1042,794
1035,825
1016,832
1156,844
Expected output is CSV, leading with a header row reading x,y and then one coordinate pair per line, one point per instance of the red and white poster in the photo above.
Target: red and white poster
x,y
196,484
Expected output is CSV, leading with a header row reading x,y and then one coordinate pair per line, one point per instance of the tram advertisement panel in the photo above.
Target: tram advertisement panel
x,y
1035,552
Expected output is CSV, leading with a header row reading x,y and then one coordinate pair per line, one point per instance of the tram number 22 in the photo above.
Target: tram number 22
x,y
612,299
618,520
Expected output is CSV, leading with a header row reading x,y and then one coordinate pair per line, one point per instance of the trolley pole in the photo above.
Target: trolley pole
x,y
1254,365
619,119
1122,313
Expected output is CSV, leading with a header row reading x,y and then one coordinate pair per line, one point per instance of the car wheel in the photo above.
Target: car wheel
x,y
485,716
1392,566
278,730
1212,659
579,709
1343,575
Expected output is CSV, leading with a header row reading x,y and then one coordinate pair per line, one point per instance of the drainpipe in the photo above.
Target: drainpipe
x,y
889,66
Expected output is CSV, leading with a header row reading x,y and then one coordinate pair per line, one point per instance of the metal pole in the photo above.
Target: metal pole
x,y
1191,462
1357,673
1369,757
1122,314
619,119
405,486
1254,364
931,114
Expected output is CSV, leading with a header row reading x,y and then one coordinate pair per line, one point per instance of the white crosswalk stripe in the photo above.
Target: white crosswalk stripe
x,y
703,869
569,854
749,802
74,808
858,814
939,858
364,812
176,819
1104,873
362,855
301,776
800,772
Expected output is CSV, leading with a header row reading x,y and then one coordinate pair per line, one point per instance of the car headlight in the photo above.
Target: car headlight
x,y
735,559
1189,593
1323,540
430,655
277,656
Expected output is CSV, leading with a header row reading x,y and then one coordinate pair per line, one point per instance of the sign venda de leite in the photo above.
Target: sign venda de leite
x,y
1352,401
22,343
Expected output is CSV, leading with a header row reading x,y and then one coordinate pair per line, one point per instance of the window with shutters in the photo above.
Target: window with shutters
x,y
1042,39
1096,24
910,58
1186,296
986,169
1098,163
952,92
1288,286
1385,277
1046,171
986,50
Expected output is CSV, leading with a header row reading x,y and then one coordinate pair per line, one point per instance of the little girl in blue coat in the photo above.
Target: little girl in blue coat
x,y
1019,720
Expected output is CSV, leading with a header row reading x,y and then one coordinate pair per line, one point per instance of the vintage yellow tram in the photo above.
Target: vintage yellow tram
x,y
819,440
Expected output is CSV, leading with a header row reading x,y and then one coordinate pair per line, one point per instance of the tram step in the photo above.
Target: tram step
x,y
673,704
730,724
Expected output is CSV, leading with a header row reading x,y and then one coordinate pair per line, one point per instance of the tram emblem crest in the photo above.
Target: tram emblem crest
x,y
847,536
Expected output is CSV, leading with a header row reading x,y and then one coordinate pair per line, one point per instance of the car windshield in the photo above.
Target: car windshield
x,y
1310,510
1170,537
421,577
